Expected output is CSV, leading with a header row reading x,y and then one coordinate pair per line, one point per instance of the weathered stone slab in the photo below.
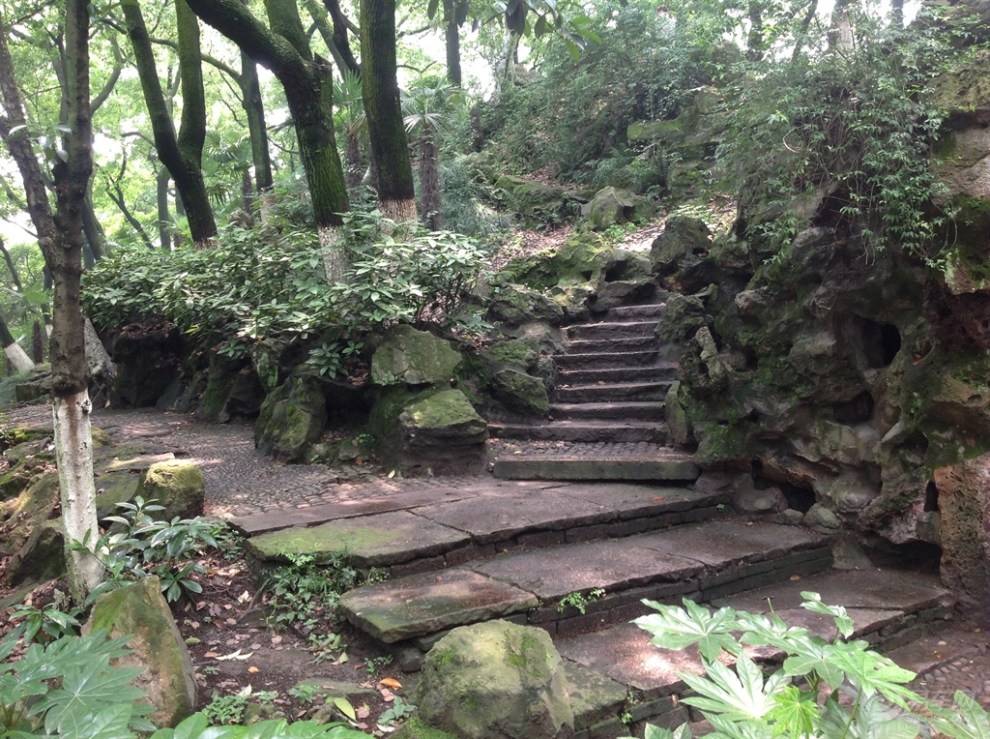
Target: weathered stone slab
x,y
500,517
669,466
732,541
635,500
613,565
594,697
430,602
370,541
624,654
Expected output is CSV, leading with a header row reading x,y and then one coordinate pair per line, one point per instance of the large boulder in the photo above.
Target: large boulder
x,y
148,360
520,391
517,304
177,486
414,358
963,491
167,677
432,431
495,680
21,534
292,417
613,205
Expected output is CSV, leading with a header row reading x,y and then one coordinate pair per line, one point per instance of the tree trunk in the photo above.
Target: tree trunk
x,y
308,88
60,236
386,131
429,181
164,215
182,154
18,358
341,38
257,131
452,38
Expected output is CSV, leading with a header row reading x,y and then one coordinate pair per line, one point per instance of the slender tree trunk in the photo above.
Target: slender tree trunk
x,y
18,358
37,342
897,14
342,28
182,153
386,131
352,155
452,37
164,214
258,132
60,236
840,35
429,181
306,80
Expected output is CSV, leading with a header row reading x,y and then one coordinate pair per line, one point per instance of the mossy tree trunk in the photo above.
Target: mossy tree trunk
x,y
181,154
60,236
386,130
254,107
306,79
454,15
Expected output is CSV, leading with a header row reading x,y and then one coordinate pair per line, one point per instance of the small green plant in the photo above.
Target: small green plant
x,y
823,688
375,664
580,601
142,545
396,712
198,726
227,708
304,692
49,621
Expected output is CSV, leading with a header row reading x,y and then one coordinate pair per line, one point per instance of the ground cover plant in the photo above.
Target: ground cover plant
x,y
823,687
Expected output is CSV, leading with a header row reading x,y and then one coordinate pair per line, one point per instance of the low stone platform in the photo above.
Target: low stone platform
x,y
601,461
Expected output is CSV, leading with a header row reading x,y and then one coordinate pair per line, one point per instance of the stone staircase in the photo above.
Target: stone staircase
x,y
587,509
484,548
610,383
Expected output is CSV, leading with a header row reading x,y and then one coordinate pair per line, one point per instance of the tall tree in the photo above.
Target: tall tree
x,y
383,107
60,236
181,153
307,81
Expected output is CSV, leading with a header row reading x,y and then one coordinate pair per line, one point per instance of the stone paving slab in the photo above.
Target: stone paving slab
x,y
632,500
378,540
595,698
732,541
430,602
866,590
612,565
597,467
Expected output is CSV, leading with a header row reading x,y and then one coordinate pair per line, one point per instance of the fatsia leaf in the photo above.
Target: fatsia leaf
x,y
86,689
739,695
676,628
873,673
970,721
111,722
813,603
795,712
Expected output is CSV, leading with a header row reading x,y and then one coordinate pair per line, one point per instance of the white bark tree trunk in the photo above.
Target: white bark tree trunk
x,y
334,257
19,359
74,457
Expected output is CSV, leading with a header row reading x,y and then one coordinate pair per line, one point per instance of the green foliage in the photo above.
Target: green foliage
x,y
49,622
854,127
822,688
398,711
141,545
197,727
260,284
575,113
580,601
404,273
227,709
304,595
68,688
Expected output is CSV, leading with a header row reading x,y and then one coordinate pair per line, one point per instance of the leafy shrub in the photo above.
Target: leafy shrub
x,y
142,545
823,688
259,284
68,688
197,727
853,125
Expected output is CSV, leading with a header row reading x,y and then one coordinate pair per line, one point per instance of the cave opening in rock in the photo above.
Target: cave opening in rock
x,y
931,498
857,410
879,342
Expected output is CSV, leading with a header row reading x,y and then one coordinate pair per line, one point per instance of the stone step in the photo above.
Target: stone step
x,y
701,561
448,528
628,411
611,330
605,392
666,371
606,359
580,430
618,672
633,312
598,462
616,345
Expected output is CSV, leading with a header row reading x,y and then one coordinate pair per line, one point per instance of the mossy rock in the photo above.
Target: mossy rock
x,y
443,416
28,511
414,358
114,488
292,417
536,204
511,351
177,486
494,680
516,304
41,557
520,391
612,206
167,677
